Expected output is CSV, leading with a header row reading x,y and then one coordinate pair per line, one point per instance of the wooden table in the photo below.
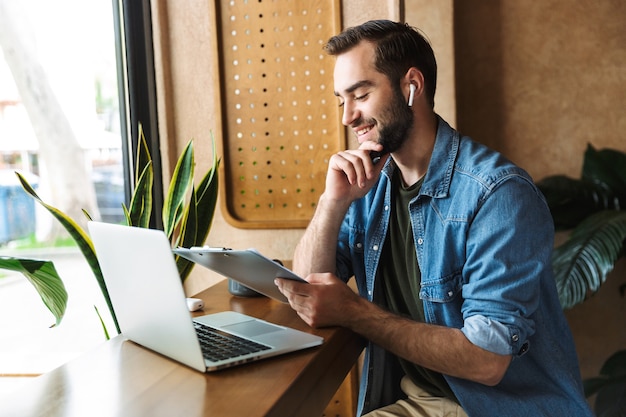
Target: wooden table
x,y
120,378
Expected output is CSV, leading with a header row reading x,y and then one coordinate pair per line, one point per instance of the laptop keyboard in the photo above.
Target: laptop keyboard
x,y
217,345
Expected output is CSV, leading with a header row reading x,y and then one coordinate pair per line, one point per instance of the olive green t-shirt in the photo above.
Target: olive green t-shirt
x,y
400,278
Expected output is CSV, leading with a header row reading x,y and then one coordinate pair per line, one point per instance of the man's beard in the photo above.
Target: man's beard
x,y
398,120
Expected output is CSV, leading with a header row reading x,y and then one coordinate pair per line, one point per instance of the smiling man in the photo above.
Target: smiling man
x,y
449,244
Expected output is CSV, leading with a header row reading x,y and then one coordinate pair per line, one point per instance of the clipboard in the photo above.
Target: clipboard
x,y
248,267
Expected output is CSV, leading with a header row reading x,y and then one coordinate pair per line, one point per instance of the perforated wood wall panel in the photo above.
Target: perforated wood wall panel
x,y
281,120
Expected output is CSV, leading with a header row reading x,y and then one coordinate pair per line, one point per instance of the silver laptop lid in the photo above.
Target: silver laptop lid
x,y
146,292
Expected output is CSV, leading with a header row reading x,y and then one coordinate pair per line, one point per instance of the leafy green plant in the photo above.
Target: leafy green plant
x,y
594,208
188,212
45,278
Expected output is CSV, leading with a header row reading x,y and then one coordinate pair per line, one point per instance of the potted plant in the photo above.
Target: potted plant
x,y
187,216
594,209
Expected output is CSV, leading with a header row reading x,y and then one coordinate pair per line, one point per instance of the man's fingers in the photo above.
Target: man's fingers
x,y
343,162
290,287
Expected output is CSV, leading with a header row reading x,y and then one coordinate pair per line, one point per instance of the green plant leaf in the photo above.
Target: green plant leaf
x,y
615,366
610,386
44,277
141,202
80,237
189,226
593,385
187,235
182,179
140,208
582,263
104,327
611,400
571,200
606,167
207,192
143,158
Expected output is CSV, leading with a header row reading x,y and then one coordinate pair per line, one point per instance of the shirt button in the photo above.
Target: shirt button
x,y
386,208
420,241
515,338
450,293
359,245
375,247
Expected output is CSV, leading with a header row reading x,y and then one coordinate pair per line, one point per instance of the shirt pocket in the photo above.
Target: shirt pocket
x,y
443,300
443,290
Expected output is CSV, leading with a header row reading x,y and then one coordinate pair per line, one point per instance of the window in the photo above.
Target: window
x,y
75,81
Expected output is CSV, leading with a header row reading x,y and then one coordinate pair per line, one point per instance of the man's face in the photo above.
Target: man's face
x,y
373,108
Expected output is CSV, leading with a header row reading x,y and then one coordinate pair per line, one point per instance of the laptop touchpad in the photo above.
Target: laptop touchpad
x,y
252,328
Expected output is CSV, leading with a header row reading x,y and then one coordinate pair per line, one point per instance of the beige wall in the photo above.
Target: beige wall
x,y
539,80
435,18
535,80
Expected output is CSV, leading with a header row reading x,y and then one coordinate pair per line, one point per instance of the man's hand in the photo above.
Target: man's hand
x,y
324,301
352,173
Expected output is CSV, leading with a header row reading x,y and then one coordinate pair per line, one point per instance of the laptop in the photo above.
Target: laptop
x,y
248,267
150,305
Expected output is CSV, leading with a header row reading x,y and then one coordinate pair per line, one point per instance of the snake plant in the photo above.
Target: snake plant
x,y
187,216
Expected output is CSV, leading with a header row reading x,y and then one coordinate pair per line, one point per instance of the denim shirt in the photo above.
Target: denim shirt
x,y
483,236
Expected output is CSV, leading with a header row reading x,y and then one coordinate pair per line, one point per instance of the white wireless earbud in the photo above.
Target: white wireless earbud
x,y
411,94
